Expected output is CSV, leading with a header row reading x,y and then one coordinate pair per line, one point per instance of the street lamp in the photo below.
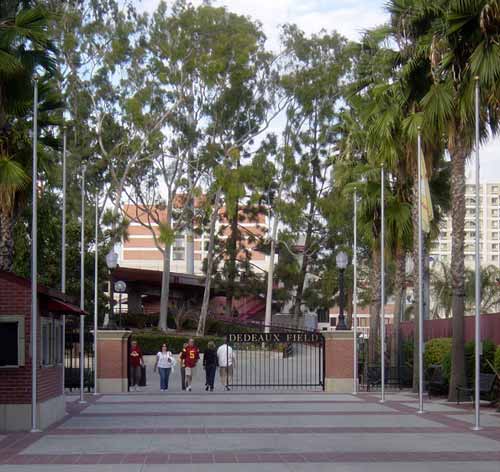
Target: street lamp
x,y
120,287
112,263
341,261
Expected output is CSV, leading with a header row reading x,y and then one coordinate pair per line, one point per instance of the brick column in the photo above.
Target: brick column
x,y
339,361
112,358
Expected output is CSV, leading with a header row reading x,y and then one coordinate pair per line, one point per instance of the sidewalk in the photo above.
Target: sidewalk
x,y
294,432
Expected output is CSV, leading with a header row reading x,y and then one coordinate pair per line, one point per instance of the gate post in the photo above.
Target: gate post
x,y
339,361
112,361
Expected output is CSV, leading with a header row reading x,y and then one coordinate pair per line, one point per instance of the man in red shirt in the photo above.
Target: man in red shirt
x,y
136,362
190,356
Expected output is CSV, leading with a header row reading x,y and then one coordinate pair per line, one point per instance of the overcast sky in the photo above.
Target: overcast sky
x,y
348,17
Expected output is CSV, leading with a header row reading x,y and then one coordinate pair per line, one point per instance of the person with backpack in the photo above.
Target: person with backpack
x,y
183,367
190,355
164,362
210,365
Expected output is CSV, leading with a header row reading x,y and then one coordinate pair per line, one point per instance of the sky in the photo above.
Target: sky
x,y
348,17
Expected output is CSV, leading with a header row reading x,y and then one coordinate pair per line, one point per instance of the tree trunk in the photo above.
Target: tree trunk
x,y
303,272
458,157
165,279
375,305
270,277
189,228
210,262
6,242
232,246
400,291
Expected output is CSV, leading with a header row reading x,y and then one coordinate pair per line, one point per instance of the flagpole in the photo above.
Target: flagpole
x,y
34,268
477,400
355,294
96,281
382,285
63,258
420,281
82,291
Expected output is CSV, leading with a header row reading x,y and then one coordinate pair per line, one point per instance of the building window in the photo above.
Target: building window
x,y
494,213
178,251
494,224
333,321
12,341
494,247
51,339
494,235
494,189
494,201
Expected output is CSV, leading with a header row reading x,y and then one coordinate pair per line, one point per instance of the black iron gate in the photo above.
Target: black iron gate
x,y
72,357
281,358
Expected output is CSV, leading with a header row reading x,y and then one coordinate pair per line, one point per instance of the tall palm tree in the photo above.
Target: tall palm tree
x,y
24,49
461,39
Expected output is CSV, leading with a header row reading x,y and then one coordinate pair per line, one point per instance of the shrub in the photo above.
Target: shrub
x,y
489,348
497,359
150,342
436,350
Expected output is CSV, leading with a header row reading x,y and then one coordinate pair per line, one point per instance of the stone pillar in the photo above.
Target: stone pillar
x,y
339,361
112,359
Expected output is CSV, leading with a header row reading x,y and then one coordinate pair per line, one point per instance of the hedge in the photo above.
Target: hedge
x,y
150,342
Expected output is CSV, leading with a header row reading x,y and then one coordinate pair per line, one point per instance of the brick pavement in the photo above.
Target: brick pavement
x,y
272,432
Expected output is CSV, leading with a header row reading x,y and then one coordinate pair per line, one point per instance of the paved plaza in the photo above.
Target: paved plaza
x,y
257,431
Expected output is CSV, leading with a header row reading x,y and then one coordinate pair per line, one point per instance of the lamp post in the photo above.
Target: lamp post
x,y
120,287
341,261
112,263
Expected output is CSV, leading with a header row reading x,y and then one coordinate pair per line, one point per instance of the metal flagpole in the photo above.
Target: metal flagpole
x,y
477,399
34,269
82,291
420,281
382,285
63,258
96,282
355,294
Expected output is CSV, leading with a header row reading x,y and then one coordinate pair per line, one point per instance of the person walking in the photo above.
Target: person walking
x,y
190,355
226,361
183,367
210,365
136,363
165,362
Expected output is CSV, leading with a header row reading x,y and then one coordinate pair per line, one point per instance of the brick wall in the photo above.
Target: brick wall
x,y
15,383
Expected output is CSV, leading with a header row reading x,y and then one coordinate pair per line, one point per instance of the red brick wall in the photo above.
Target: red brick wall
x,y
15,383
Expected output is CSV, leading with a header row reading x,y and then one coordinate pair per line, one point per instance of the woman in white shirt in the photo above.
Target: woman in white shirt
x,y
164,361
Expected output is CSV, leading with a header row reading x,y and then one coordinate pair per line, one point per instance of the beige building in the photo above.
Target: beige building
x,y
140,250
489,228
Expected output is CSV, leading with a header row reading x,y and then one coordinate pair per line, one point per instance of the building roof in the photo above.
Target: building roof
x,y
58,302
128,274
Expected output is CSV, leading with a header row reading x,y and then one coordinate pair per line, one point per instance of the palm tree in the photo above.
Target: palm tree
x,y
460,38
24,48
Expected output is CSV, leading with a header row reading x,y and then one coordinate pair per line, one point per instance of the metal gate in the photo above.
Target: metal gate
x,y
282,358
72,356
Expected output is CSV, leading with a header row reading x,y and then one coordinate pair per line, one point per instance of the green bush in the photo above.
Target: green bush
x,y
150,342
436,350
497,359
489,348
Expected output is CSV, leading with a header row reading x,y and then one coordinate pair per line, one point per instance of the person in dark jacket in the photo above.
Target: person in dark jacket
x,y
210,366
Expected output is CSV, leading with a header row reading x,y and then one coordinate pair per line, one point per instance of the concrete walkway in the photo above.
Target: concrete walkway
x,y
257,431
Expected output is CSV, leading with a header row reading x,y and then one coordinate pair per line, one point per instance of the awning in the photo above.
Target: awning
x,y
58,306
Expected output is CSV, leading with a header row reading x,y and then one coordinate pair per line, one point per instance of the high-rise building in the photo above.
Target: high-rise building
x,y
489,220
